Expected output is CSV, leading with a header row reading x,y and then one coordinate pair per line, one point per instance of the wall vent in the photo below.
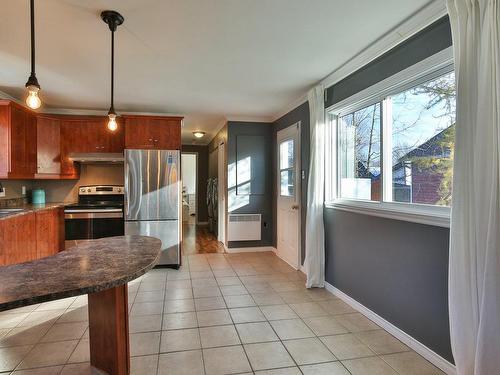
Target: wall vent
x,y
244,227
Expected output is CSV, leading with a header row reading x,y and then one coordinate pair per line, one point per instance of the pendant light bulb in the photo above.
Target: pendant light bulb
x,y
33,100
112,125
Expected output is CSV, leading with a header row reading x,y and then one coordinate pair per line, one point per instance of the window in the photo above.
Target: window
x,y
287,170
394,147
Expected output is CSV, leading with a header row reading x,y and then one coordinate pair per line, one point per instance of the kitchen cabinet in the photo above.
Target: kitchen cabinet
x,y
31,236
49,231
88,134
48,148
17,141
152,132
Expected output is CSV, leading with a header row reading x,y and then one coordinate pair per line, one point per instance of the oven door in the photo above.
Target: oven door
x,y
83,224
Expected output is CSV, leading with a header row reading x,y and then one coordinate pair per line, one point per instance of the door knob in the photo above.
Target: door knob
x,y
295,207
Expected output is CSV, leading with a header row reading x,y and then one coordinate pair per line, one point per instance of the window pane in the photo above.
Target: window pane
x,y
286,154
359,154
287,183
423,127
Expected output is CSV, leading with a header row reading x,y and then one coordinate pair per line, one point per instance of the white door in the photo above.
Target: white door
x,y
288,175
221,194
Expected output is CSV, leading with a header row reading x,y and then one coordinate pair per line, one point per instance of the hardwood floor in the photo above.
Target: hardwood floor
x,y
198,240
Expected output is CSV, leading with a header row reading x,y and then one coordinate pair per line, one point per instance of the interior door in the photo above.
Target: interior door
x,y
288,182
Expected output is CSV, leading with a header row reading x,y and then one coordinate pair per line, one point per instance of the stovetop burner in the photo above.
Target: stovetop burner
x,y
99,197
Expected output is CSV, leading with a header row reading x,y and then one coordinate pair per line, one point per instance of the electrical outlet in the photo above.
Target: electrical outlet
x,y
23,190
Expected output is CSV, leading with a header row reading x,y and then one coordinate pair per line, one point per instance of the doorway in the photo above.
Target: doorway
x,y
288,202
189,171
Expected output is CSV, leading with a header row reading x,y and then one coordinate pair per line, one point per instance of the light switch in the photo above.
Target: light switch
x,y
23,190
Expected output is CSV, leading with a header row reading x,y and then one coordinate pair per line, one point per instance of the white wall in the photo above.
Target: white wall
x,y
189,172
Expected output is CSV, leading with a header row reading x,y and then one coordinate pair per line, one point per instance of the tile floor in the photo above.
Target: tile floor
x,y
219,314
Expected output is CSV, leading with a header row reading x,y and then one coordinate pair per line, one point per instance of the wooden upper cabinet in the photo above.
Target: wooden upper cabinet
x,y
48,148
153,132
17,141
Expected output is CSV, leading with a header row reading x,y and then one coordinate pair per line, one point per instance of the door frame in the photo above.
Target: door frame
x,y
222,193
196,208
298,187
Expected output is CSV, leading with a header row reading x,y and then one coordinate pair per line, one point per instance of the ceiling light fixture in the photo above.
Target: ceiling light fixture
x,y
199,134
113,19
33,100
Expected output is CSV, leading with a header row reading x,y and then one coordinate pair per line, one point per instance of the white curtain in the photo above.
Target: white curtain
x,y
474,279
314,263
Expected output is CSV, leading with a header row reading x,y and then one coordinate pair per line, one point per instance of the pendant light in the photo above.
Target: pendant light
x,y
33,100
113,19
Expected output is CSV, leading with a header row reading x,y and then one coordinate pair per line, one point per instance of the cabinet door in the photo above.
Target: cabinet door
x,y
19,239
101,139
48,145
138,133
18,147
49,232
74,138
169,137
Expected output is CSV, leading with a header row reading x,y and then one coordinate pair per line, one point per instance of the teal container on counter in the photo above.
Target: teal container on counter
x,y
38,196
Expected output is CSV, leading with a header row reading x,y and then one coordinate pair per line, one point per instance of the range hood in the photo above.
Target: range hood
x,y
96,157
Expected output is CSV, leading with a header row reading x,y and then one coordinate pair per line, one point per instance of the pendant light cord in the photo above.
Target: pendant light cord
x,y
112,109
32,17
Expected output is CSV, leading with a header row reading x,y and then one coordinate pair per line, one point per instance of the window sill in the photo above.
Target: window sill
x,y
415,213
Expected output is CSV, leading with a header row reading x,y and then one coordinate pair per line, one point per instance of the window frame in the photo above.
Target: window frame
x,y
428,69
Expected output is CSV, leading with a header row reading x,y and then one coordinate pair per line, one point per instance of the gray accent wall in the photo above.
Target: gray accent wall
x,y
397,269
258,147
301,113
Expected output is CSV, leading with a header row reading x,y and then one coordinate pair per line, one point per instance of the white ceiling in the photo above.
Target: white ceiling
x,y
205,59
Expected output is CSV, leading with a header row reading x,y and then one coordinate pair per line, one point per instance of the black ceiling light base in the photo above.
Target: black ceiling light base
x,y
112,18
32,81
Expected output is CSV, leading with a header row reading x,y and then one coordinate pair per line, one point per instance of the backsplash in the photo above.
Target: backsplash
x,y
13,202
90,174
13,188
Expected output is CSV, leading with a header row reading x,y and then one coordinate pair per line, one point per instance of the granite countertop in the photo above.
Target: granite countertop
x,y
28,208
88,267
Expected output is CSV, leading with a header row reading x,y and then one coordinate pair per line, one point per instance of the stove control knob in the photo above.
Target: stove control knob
x,y
89,190
82,190
119,190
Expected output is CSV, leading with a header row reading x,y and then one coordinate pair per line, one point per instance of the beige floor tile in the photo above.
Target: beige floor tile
x,y
78,369
291,329
225,272
207,291
52,370
154,296
201,274
382,342
145,365
179,284
270,298
209,318
151,287
181,363
346,346
256,332
145,323
336,306
200,283
146,308
268,355
244,300
144,343
258,287
280,371
325,325
410,363
24,335
218,336
368,366
79,314
278,312
228,281
320,294
180,320
308,309
56,305
209,303
308,351
49,354
233,290
81,353
65,331
12,320
178,305
295,296
247,315
179,293
226,360
331,368
19,310
181,339
11,357
356,322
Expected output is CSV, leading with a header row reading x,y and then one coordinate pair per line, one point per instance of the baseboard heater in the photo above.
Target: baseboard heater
x,y
244,227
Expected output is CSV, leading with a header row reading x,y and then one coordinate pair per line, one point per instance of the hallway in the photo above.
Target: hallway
x,y
197,239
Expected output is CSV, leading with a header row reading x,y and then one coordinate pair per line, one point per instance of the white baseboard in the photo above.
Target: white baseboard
x,y
420,348
249,249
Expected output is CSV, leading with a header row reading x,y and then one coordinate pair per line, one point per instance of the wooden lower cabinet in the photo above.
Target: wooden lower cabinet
x,y
31,236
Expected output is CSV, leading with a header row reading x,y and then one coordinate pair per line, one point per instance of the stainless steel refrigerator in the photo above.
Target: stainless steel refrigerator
x,y
152,199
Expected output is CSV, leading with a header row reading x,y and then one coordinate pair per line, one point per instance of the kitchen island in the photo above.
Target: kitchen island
x,y
100,268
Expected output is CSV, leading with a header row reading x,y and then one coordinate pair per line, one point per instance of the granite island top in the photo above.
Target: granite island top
x,y
88,267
